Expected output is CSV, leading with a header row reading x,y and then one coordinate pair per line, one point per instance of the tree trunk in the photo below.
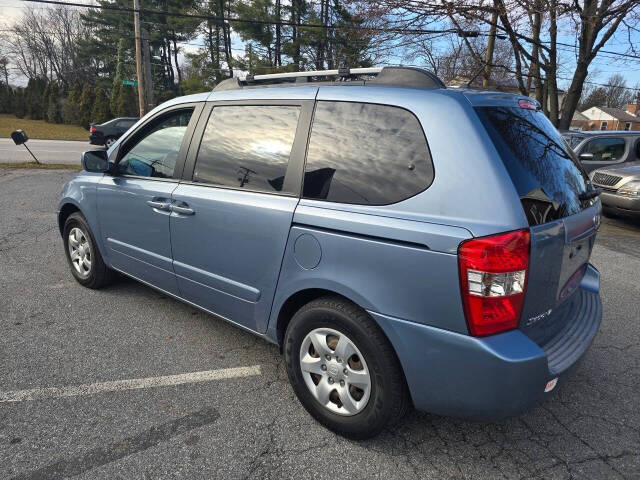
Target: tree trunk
x,y
535,65
175,57
278,59
298,18
573,95
226,34
490,47
325,41
552,69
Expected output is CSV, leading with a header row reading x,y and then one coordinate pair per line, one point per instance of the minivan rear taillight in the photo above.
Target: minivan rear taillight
x,y
93,129
493,280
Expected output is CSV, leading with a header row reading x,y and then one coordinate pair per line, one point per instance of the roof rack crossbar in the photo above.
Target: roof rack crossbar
x,y
400,76
342,72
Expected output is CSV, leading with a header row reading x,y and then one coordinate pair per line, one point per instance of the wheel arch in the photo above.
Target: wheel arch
x,y
65,210
298,299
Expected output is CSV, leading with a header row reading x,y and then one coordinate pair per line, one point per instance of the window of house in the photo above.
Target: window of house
x,y
365,154
627,126
603,125
247,146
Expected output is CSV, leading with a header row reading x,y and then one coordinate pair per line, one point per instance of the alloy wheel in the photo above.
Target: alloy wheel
x,y
79,251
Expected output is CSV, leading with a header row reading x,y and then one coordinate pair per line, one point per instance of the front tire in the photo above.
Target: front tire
x,y
343,368
83,256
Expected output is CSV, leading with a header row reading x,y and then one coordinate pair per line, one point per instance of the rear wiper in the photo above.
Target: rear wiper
x,y
594,192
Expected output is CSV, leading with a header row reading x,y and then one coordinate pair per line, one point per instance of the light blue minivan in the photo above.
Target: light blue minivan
x,y
403,243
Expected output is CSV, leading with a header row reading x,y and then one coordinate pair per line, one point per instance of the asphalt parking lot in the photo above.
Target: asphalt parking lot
x,y
243,420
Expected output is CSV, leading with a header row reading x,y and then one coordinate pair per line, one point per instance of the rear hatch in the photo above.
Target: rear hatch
x,y
562,211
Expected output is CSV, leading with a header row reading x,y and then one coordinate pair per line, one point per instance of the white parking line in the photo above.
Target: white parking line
x,y
130,384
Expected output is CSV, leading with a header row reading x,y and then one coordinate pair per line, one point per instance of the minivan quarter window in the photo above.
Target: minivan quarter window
x,y
365,153
155,151
247,146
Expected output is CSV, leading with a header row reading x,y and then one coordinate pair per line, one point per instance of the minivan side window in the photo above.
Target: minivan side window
x,y
247,146
605,149
155,154
366,154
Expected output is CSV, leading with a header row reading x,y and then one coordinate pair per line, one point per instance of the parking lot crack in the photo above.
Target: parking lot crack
x,y
100,456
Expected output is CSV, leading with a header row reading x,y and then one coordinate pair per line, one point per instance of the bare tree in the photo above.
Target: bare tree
x,y
531,27
617,94
43,43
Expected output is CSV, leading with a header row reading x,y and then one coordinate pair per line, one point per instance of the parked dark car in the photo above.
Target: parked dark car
x,y
108,132
607,149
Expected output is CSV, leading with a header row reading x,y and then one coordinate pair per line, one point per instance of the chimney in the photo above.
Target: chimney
x,y
634,108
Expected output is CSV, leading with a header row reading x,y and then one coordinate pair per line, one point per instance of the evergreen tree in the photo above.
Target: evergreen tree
x,y
86,105
19,104
6,98
100,112
45,102
127,105
70,109
33,97
115,97
53,106
117,79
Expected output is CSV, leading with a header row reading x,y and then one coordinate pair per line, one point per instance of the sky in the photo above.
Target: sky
x,y
602,67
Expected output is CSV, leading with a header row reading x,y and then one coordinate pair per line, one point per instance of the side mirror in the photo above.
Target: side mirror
x,y
95,161
19,137
586,156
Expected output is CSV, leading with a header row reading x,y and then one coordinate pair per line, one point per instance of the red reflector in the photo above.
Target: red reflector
x,y
92,130
528,104
493,274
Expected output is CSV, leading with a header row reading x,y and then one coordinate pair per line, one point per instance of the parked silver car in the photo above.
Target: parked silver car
x,y
621,188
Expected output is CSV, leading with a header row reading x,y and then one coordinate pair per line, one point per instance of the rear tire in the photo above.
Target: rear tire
x,y
383,399
83,256
109,141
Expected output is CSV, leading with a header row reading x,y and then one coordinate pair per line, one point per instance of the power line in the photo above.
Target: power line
x,y
254,21
406,31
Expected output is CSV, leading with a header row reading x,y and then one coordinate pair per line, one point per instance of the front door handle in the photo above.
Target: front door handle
x,y
159,205
182,210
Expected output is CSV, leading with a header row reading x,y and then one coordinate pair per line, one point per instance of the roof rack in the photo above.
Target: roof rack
x,y
399,76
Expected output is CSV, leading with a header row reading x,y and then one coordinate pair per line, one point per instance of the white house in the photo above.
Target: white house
x,y
606,118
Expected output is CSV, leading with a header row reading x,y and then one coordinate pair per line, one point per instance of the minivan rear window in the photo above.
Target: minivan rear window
x,y
544,171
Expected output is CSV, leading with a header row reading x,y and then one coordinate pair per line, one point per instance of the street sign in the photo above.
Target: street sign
x,y
133,83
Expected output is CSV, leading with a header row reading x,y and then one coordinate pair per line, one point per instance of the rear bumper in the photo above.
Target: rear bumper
x,y
492,377
96,139
620,204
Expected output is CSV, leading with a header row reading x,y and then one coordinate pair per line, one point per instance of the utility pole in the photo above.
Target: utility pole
x,y
143,63
490,46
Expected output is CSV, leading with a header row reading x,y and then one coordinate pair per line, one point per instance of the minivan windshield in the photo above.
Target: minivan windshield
x,y
544,170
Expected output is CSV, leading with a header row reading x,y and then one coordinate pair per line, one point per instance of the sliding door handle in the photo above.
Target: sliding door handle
x,y
159,205
182,210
